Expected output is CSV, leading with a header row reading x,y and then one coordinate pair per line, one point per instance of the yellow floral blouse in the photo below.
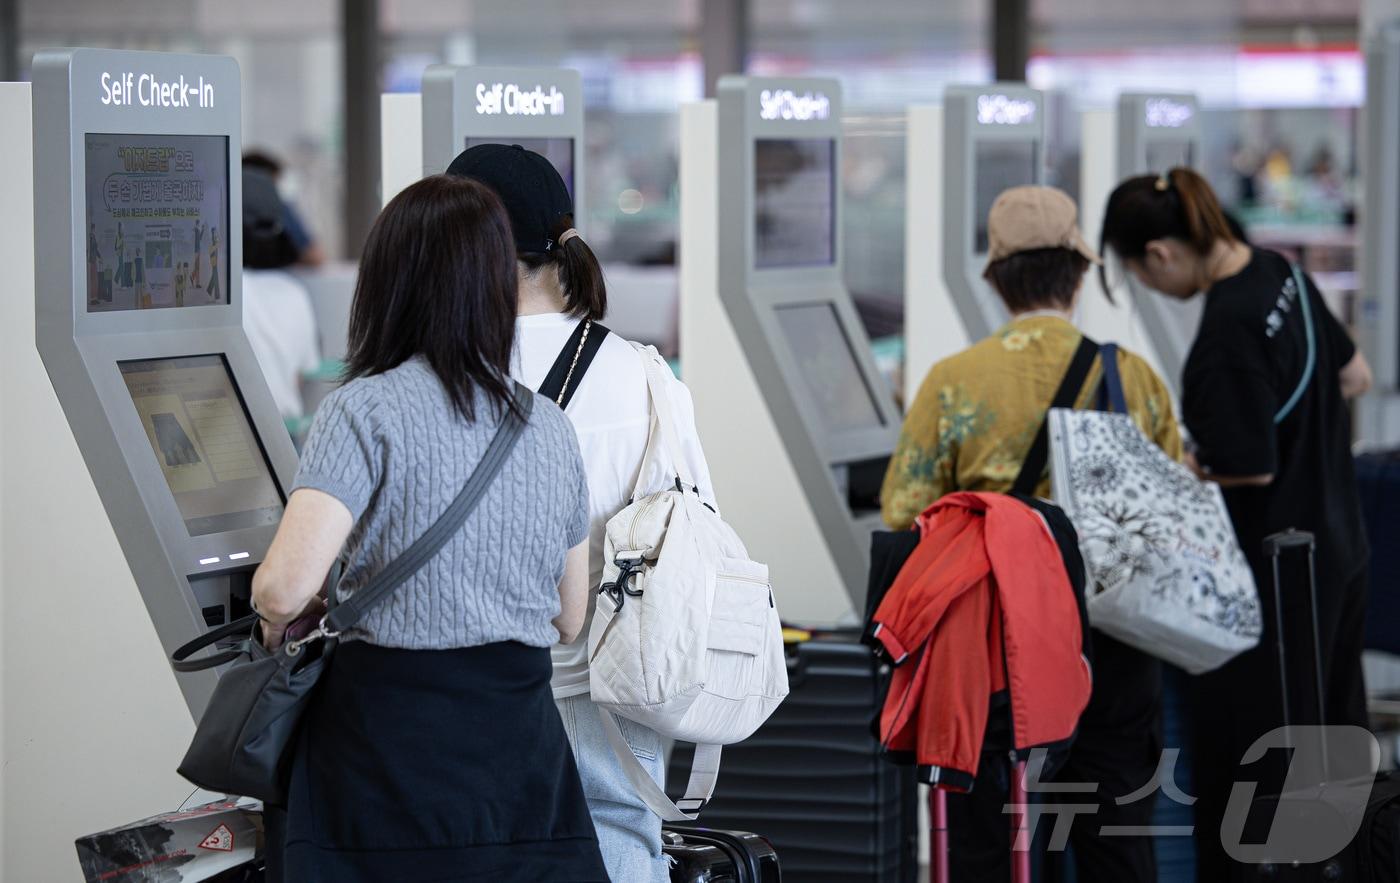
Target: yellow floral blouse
x,y
977,413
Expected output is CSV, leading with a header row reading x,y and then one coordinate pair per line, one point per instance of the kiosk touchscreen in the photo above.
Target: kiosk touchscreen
x,y
540,109
1379,416
1158,132
138,246
960,156
771,346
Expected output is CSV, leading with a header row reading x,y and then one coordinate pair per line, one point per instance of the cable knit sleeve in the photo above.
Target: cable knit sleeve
x,y
344,453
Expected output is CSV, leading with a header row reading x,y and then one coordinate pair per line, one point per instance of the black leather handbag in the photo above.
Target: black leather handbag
x,y
243,744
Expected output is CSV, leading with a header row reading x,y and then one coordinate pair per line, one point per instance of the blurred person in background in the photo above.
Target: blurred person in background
x,y
277,313
308,251
1264,395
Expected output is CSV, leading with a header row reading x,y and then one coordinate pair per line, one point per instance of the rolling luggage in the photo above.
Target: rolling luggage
x,y
704,855
811,779
1373,856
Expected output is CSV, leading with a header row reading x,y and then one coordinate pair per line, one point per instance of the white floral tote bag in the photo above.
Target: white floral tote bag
x,y
1171,579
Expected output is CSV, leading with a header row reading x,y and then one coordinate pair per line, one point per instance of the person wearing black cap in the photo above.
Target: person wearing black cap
x,y
562,297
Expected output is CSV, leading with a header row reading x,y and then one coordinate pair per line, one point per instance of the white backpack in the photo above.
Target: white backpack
x,y
685,637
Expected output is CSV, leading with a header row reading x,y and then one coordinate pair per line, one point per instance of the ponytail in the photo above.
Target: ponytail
x,y
580,274
1178,204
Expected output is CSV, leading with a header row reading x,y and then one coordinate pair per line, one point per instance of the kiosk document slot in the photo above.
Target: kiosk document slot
x,y
1158,132
541,109
138,248
770,338
994,139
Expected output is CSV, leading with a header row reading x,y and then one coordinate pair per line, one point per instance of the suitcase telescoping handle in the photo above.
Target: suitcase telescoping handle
x,y
1274,547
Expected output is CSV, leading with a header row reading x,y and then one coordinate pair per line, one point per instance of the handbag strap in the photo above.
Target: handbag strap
x,y
572,363
348,613
1310,365
704,774
1111,397
1034,465
663,426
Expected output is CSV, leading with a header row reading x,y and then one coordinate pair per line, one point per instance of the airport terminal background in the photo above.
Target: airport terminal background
x,y
1281,86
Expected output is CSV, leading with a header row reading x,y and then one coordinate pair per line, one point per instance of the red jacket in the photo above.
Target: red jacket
x,y
983,599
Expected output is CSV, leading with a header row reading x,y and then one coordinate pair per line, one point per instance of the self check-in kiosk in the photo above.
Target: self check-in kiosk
x,y
1144,133
138,249
960,157
540,109
797,422
1379,319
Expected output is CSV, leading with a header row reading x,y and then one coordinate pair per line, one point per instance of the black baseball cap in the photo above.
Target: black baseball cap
x,y
531,188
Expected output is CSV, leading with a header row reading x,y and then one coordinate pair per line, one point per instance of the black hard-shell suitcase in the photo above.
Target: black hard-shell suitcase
x,y
704,855
811,779
1373,856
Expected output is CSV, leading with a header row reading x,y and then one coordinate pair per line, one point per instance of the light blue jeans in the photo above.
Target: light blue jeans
x,y
629,833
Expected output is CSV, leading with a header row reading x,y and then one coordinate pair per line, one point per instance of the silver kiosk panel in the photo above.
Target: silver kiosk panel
x,y
1157,132
994,139
1380,313
138,248
540,109
781,284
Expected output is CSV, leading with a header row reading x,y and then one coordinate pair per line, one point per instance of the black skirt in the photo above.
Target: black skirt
x,y
437,765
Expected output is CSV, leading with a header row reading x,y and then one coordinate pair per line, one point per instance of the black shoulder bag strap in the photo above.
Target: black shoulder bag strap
x,y
346,615
1034,466
572,362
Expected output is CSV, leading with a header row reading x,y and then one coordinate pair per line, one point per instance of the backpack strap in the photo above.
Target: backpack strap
x,y
1111,397
663,426
704,773
1311,364
1034,466
572,363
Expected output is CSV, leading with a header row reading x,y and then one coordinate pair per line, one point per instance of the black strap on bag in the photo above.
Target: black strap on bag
x,y
346,615
1078,372
572,363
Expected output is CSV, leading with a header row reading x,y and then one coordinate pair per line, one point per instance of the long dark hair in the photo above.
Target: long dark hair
x,y
1177,205
580,274
438,279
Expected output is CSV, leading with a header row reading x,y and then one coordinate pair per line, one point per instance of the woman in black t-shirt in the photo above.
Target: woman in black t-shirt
x,y
1270,424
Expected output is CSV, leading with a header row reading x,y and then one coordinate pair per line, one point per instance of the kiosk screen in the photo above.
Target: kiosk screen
x,y
1165,155
827,363
201,436
559,152
794,202
999,165
157,221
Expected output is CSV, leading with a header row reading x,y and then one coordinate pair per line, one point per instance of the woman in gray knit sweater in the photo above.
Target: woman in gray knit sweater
x,y
433,749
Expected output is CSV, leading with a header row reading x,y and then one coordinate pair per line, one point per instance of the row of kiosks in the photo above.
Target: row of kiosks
x,y
985,139
960,156
138,248
1379,320
797,422
540,109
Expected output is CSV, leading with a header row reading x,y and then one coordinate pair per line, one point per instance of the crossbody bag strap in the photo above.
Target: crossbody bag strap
x,y
1310,365
572,363
1111,397
704,774
346,614
1078,372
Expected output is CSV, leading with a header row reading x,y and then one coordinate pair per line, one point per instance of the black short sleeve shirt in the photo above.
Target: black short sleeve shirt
x,y
1249,362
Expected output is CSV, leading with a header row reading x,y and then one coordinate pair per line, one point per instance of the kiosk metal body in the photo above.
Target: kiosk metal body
x,y
994,139
1379,320
1158,132
817,420
138,248
538,108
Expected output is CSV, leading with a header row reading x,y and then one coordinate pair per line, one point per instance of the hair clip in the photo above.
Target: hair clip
x,y
1164,182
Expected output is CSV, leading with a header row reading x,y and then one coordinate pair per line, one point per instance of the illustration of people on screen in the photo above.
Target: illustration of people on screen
x,y
180,284
123,278
143,294
213,288
198,245
94,260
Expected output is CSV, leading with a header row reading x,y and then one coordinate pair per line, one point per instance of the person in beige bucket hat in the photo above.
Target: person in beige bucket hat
x,y
970,428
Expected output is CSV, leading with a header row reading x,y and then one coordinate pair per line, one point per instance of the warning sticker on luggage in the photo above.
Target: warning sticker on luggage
x,y
221,839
